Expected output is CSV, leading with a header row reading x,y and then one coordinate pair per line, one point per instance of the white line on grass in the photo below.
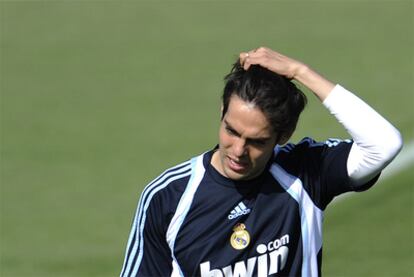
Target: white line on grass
x,y
404,160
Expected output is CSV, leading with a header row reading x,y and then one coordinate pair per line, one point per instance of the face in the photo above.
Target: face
x,y
246,141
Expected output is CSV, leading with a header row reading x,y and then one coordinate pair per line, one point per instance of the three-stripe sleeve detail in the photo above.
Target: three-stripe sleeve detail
x,y
135,247
183,208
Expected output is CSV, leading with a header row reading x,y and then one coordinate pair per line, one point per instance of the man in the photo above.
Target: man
x,y
252,207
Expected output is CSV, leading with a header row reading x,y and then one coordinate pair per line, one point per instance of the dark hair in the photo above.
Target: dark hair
x,y
275,95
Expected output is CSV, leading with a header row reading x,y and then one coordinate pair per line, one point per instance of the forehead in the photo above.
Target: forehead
x,y
247,119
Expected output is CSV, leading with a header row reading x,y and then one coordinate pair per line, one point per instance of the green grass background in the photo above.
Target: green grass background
x,y
98,97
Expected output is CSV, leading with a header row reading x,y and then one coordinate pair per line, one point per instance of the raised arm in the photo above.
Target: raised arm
x,y
376,141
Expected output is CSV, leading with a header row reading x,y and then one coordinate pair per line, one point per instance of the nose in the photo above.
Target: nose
x,y
239,147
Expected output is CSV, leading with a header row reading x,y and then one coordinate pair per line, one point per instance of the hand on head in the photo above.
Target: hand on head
x,y
271,60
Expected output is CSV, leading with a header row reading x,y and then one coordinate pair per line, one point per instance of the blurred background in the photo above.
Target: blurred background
x,y
99,97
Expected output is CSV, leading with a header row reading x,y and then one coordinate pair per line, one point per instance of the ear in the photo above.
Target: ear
x,y
221,112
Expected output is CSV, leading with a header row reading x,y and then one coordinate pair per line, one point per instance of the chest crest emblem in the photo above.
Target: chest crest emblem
x,y
240,238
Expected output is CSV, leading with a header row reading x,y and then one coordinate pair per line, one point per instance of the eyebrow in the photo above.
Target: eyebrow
x,y
259,139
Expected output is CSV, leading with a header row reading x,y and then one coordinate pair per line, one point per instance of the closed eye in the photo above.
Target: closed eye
x,y
252,141
258,142
231,131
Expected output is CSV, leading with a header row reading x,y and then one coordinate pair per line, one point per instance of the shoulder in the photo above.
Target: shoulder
x,y
165,191
298,150
171,181
160,197
309,154
320,167
308,145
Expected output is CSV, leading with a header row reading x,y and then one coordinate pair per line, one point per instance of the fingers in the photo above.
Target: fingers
x,y
246,58
242,57
271,60
252,57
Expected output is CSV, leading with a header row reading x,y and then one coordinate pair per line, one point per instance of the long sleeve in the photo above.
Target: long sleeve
x,y
376,141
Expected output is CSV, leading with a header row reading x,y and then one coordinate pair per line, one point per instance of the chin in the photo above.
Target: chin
x,y
238,176
235,177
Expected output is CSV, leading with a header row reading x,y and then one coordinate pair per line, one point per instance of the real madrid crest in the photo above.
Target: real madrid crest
x,y
240,238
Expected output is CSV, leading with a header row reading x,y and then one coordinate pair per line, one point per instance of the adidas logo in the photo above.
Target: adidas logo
x,y
239,210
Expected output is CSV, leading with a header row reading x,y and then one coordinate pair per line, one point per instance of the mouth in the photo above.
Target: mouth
x,y
237,165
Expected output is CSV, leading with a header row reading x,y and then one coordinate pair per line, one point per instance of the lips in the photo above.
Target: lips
x,y
237,166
